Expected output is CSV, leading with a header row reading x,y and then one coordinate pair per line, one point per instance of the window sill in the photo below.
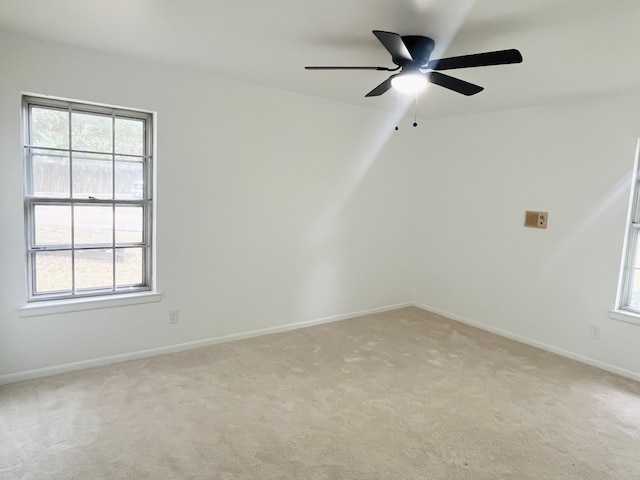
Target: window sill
x,y
625,316
76,305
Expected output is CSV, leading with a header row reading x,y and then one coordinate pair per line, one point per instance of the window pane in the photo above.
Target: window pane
x,y
91,132
129,179
635,251
53,272
49,127
634,292
94,269
129,136
50,172
129,266
92,175
129,222
93,225
52,225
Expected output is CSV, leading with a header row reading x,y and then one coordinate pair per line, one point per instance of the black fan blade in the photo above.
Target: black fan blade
x,y
380,89
349,68
395,46
454,84
499,57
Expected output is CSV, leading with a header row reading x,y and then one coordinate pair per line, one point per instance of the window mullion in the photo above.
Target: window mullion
x,y
28,156
73,249
73,208
148,209
113,207
30,232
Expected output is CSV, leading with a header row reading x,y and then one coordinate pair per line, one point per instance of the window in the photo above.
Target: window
x,y
629,284
88,199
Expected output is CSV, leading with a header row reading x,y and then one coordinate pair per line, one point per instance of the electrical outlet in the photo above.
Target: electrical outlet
x,y
542,219
535,219
594,332
173,317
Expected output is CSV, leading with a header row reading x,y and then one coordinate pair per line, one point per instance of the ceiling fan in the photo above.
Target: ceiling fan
x,y
411,55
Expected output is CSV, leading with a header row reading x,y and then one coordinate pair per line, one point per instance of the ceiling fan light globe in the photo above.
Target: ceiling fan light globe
x,y
409,82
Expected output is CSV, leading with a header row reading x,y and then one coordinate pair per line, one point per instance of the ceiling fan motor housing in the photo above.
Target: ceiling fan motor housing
x,y
420,49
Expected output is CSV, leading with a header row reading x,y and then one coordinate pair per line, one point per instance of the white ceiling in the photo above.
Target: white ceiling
x,y
571,48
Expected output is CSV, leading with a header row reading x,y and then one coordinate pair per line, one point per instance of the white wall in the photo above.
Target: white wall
x,y
274,208
476,261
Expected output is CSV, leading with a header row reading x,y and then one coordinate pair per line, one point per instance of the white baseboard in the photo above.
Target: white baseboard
x,y
98,362
543,346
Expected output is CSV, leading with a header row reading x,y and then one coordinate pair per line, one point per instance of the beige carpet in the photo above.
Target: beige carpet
x,y
399,395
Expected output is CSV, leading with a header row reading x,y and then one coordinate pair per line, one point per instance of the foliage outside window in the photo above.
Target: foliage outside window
x,y
88,199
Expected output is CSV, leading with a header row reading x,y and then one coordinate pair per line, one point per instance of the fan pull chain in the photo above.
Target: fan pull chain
x,y
415,110
397,106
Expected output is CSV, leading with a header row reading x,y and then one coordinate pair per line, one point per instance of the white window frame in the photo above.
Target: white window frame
x,y
623,309
80,299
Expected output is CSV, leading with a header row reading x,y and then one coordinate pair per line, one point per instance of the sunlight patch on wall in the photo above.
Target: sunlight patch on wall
x,y
620,189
